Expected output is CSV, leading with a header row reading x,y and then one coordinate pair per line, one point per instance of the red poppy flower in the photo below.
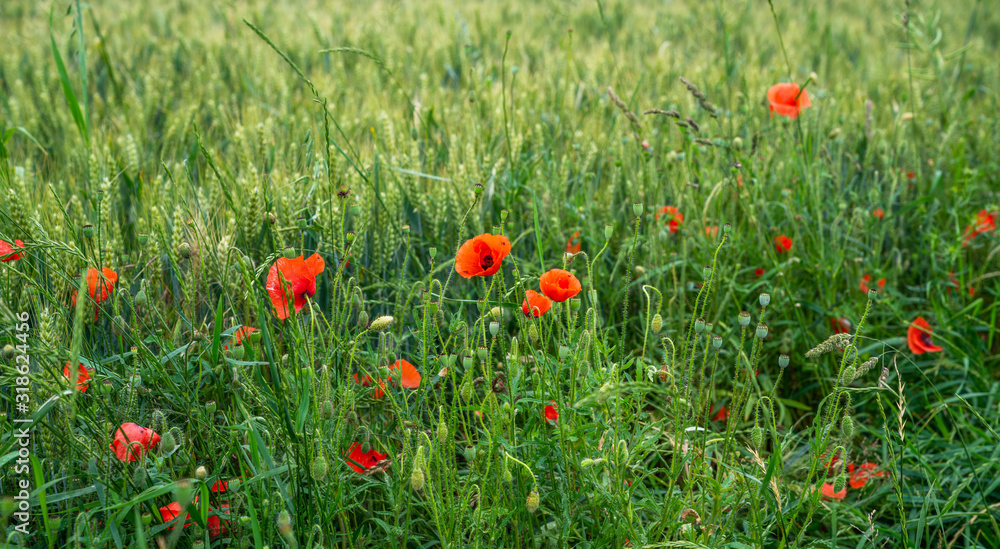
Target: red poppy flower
x,y
362,461
215,526
367,381
867,278
559,285
860,476
535,303
481,255
220,486
132,440
712,231
7,252
782,243
918,337
408,373
675,220
572,248
878,213
82,377
787,99
100,284
551,413
722,414
170,511
830,494
985,222
300,275
242,333
840,325
758,272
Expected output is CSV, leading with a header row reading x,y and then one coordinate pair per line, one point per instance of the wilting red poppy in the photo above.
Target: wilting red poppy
x,y
242,333
100,284
362,461
918,337
410,377
860,475
367,381
551,413
828,492
216,526
7,251
782,244
985,222
559,285
675,220
722,414
572,248
535,304
481,255
132,440
298,273
840,325
787,99
712,231
868,278
758,272
878,213
82,377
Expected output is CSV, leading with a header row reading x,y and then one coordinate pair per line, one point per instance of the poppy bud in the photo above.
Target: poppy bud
x,y
184,250
363,320
234,485
182,492
210,407
847,426
432,251
8,351
302,223
507,476
288,252
761,331
563,352
765,299
139,476
533,333
494,328
608,231
738,143
532,503
417,478
783,361
849,374
285,524
118,325
467,389
637,209
756,436
717,342
706,273
168,444
143,239
326,409
442,432
481,352
201,472
478,189
838,484
699,325
236,353
319,467
88,231
350,237
744,319
434,307
218,371
381,323
140,297
657,323
147,519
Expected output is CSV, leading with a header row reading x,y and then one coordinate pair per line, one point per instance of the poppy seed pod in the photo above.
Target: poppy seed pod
x,y
236,353
608,231
726,228
783,361
88,231
478,189
717,342
302,223
481,352
533,500
574,305
657,323
147,519
351,236
143,239
872,294
288,252
699,325
432,252
706,273
744,319
234,485
765,299
381,323
355,209
761,331
637,209
210,407
494,328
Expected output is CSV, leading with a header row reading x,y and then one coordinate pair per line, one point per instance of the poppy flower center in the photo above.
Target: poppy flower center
x,y
486,262
925,339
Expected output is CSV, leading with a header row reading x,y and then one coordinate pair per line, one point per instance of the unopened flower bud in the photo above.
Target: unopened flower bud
x,y
761,331
139,476
533,500
838,484
201,472
563,352
381,323
140,297
756,436
657,323
765,298
847,426
783,361
168,443
319,467
184,250
849,373
533,333
9,352
234,485
350,236
744,319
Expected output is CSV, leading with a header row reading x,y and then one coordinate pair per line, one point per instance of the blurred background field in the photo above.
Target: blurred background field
x,y
197,153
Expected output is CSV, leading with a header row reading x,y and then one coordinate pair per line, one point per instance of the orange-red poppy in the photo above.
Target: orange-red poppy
x,y
712,231
559,285
132,440
535,304
572,248
100,285
782,244
481,255
918,337
409,376
242,333
860,475
551,413
362,461
787,99
985,222
868,278
82,377
840,325
828,492
758,272
8,251
675,219
367,382
215,526
722,414
878,213
300,280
